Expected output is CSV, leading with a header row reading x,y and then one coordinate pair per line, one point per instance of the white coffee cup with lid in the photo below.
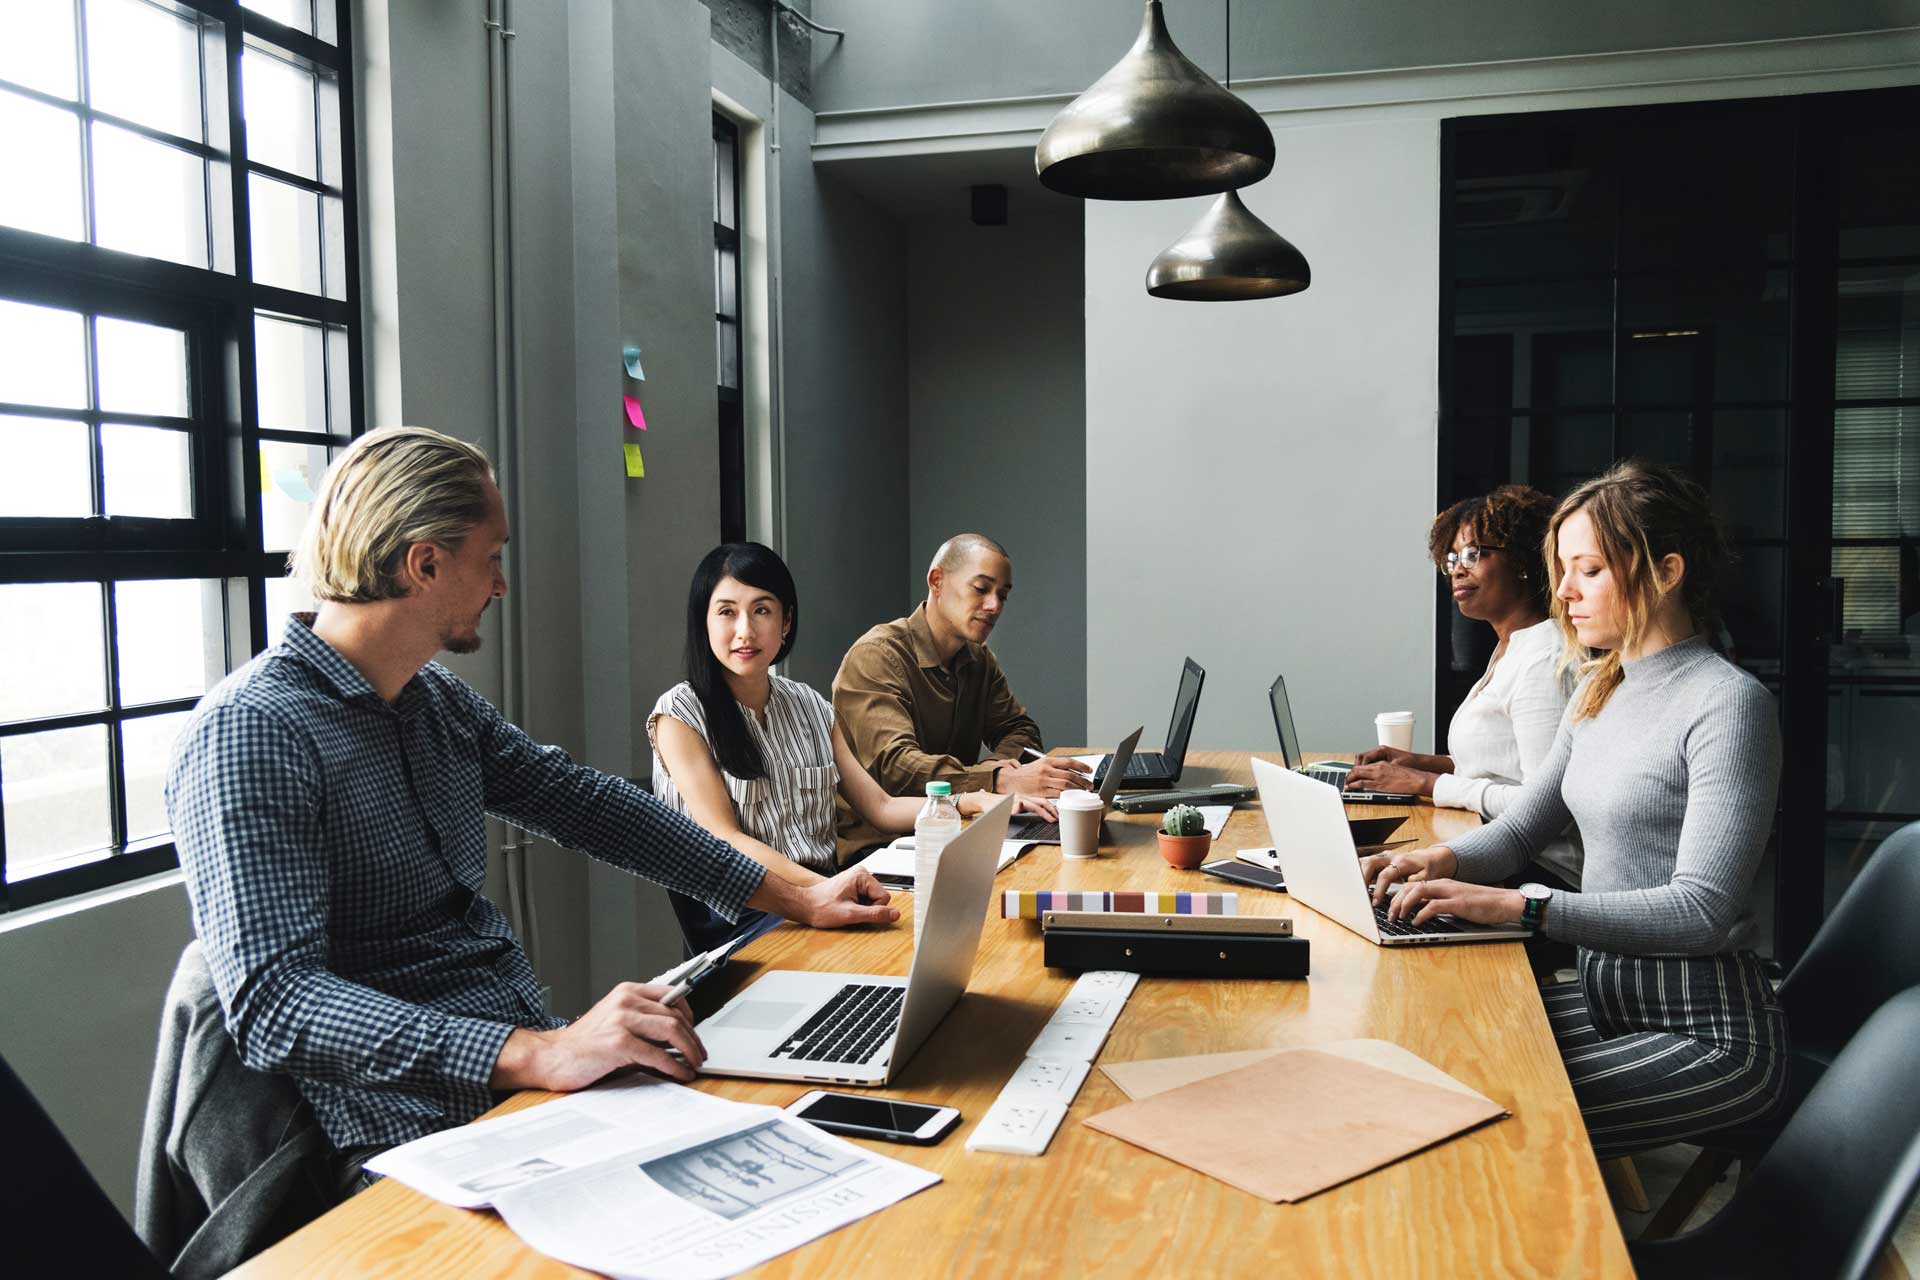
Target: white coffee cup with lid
x,y
1080,814
1395,729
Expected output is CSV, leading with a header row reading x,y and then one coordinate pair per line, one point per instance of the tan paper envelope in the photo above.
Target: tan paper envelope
x,y
1156,1075
1296,1122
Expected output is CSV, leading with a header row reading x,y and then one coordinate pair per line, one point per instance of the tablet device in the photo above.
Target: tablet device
x,y
1245,873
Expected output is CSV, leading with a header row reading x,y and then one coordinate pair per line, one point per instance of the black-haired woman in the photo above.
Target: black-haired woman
x,y
753,757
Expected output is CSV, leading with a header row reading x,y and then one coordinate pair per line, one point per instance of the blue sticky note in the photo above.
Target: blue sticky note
x,y
632,357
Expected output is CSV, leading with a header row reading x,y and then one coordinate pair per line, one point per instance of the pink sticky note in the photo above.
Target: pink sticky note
x,y
634,415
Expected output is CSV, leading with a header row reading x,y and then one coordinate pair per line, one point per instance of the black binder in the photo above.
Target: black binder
x,y
1182,954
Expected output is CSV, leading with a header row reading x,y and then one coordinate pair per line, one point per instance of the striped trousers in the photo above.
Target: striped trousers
x,y
1664,1048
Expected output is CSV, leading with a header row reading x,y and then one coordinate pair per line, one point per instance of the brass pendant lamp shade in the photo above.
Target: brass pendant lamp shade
x,y
1154,127
1228,256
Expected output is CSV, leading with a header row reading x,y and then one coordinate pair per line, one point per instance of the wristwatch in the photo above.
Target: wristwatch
x,y
1535,907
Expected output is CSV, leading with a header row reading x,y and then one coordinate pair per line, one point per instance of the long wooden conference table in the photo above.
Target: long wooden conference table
x,y
1521,1196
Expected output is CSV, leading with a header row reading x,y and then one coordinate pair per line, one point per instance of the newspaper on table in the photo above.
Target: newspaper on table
x,y
641,1177
709,1204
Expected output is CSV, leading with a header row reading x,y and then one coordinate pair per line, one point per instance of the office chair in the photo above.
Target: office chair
x,y
56,1219
1827,1196
1865,953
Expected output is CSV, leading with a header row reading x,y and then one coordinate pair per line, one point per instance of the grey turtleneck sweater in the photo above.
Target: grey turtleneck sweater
x,y
1673,786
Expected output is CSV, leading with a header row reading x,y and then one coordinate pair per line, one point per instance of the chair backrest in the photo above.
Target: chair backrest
x,y
1827,1197
1867,951
56,1219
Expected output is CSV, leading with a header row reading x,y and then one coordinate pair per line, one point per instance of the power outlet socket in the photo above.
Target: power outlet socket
x,y
1069,1041
1017,1127
1046,1080
1101,1009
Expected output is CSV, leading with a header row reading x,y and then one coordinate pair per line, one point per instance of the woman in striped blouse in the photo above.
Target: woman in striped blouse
x,y
753,757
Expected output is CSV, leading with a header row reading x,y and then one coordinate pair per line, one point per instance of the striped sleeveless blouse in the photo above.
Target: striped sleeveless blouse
x,y
792,807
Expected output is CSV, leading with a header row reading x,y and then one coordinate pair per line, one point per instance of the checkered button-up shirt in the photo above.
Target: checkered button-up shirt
x,y
334,847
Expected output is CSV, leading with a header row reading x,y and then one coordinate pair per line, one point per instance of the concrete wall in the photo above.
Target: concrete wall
x,y
1292,455
900,52
845,440
998,406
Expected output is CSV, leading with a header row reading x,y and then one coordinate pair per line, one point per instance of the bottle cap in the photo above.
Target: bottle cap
x,y
939,788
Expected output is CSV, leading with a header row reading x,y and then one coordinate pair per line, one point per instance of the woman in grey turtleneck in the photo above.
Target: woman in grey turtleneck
x,y
1668,759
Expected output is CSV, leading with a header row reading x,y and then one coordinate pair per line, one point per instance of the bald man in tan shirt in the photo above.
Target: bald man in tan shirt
x,y
920,698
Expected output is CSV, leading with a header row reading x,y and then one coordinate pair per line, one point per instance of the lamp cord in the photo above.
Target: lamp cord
x,y
1229,44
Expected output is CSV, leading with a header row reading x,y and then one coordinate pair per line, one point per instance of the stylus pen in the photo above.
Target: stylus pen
x,y
678,992
1029,751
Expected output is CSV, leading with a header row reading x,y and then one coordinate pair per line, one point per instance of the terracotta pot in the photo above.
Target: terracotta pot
x,y
1185,852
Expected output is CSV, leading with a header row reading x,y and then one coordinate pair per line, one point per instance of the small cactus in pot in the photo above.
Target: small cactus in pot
x,y
1183,837
1184,820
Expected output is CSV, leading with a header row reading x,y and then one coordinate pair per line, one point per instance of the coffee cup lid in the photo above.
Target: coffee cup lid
x,y
1393,717
1078,800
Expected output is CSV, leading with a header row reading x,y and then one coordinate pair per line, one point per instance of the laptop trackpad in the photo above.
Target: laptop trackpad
x,y
758,1015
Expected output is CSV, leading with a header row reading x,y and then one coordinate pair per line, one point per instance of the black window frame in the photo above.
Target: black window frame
x,y
731,407
1808,127
217,306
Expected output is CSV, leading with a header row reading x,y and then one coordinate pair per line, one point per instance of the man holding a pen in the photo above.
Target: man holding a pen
x,y
920,698
329,801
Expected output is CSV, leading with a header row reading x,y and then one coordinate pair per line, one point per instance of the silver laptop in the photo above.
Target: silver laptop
x,y
1040,831
855,1028
1322,869
1332,772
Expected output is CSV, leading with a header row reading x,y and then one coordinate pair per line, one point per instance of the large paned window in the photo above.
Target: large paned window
x,y
726,325
1733,288
179,360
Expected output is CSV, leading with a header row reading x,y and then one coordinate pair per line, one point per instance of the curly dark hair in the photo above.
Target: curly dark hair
x,y
1513,517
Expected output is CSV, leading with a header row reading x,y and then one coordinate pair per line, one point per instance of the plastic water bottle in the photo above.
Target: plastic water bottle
x,y
939,822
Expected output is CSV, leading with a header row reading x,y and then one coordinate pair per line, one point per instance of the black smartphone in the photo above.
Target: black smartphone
x,y
859,1116
1245,873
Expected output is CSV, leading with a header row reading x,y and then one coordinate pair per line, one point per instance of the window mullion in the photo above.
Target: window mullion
x,y
116,746
86,122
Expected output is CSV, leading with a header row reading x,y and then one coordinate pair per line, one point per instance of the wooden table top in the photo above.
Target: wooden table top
x,y
1522,1196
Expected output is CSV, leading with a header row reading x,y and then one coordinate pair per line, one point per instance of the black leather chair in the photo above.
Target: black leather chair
x,y
56,1219
1827,1196
1867,951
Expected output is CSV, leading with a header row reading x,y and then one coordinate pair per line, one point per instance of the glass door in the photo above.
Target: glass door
x,y
1732,288
1871,771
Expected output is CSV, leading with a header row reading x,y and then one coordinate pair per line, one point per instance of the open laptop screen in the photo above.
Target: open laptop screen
x,y
1283,723
1185,705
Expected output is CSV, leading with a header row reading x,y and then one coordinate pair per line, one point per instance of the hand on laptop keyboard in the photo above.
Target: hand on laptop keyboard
x,y
1418,902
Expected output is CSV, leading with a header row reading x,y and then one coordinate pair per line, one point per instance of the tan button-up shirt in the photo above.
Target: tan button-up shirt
x,y
911,720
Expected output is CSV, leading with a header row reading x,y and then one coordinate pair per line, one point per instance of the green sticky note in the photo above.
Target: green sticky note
x,y
635,467
631,357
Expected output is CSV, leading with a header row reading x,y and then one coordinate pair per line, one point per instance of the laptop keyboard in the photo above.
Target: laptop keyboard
x,y
849,1027
1141,764
1037,831
1391,928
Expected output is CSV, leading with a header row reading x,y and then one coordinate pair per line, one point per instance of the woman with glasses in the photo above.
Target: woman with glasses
x,y
1488,550
1669,758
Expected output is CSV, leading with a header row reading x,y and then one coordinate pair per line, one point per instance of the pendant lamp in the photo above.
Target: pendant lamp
x,y
1228,256
1154,127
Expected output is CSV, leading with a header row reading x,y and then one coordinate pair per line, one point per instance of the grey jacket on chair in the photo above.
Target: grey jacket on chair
x,y
231,1159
